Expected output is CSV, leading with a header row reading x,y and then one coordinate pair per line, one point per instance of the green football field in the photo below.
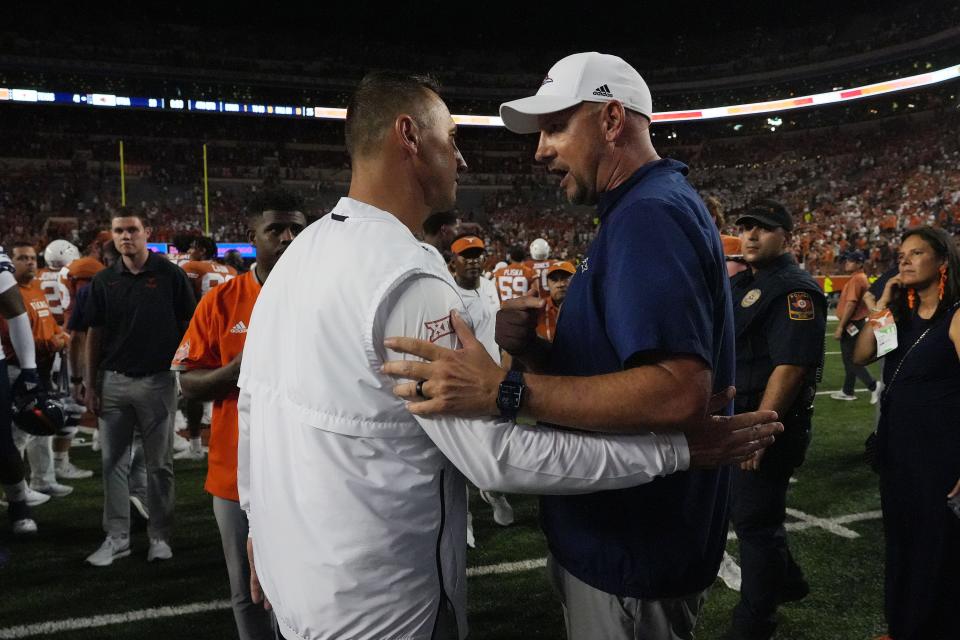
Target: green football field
x,y
49,592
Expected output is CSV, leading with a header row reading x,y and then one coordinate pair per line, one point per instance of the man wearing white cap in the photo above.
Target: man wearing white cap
x,y
646,330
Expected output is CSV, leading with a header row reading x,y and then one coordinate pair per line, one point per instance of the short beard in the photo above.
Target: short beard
x,y
582,194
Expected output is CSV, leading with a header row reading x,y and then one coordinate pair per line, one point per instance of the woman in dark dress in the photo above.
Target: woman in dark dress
x,y
919,438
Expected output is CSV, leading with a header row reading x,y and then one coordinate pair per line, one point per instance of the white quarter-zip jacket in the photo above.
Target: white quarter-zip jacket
x,y
357,509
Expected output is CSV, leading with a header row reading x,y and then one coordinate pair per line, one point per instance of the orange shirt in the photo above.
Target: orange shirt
x,y
547,322
853,292
731,245
79,273
514,280
206,274
215,336
48,337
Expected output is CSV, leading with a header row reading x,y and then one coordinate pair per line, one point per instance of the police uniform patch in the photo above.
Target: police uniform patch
x,y
800,306
752,296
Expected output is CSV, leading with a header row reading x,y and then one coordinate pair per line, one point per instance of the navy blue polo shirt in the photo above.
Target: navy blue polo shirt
x,y
654,279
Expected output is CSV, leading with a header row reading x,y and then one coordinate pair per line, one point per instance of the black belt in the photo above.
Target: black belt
x,y
137,374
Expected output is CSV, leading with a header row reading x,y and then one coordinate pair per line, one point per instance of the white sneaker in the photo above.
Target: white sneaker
x,y
66,470
180,444
190,454
875,394
95,441
141,508
471,541
111,549
35,498
159,550
730,572
840,395
54,489
24,527
502,511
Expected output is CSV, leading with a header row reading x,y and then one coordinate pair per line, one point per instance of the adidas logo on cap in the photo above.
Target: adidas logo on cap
x,y
603,90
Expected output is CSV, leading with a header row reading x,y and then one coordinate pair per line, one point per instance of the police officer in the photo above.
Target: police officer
x,y
780,318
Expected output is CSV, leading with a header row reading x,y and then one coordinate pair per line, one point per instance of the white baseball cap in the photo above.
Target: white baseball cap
x,y
581,77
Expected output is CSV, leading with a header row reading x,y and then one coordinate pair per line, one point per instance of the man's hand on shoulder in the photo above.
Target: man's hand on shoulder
x,y
462,382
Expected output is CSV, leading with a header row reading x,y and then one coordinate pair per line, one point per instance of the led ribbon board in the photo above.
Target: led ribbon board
x,y
109,101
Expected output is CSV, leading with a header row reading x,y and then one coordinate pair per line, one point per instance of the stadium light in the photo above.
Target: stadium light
x,y
338,113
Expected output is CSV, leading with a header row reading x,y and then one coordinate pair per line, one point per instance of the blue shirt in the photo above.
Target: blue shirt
x,y
653,280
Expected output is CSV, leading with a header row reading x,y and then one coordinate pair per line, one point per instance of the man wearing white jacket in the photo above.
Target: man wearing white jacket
x,y
357,508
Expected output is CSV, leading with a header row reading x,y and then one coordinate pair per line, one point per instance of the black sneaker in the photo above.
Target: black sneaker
x,y
794,591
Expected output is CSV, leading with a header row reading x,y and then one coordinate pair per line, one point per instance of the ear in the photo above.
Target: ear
x,y
613,119
408,133
146,232
252,238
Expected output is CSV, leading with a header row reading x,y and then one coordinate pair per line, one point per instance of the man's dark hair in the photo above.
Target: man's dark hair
x,y
271,199
127,212
182,242
379,98
20,244
516,254
432,225
209,246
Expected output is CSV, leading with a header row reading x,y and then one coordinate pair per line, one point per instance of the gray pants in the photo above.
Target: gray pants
x,y
145,405
253,622
591,614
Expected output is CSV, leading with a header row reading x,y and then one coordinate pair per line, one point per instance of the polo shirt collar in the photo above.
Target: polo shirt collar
x,y
149,265
609,199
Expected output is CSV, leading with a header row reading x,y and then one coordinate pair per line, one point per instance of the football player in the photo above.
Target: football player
x,y
516,278
204,274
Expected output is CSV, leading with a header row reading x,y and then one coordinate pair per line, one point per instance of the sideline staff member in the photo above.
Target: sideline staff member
x,y
137,311
780,317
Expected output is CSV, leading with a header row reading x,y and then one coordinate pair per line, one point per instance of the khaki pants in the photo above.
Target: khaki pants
x,y
591,614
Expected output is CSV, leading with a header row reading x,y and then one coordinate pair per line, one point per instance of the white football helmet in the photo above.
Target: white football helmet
x,y
539,249
59,254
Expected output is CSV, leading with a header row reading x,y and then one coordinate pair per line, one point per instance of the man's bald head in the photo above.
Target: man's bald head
x,y
379,99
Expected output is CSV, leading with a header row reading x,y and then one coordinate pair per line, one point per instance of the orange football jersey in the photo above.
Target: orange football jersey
x,y
77,274
514,281
540,268
216,335
206,274
48,337
49,281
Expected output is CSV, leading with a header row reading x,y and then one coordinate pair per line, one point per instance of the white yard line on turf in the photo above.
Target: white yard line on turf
x,y
73,624
824,393
804,521
831,525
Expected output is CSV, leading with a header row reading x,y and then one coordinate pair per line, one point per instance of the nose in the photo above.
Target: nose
x,y
287,235
544,152
461,163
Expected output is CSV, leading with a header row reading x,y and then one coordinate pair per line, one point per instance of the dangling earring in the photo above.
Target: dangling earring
x,y
943,280
911,298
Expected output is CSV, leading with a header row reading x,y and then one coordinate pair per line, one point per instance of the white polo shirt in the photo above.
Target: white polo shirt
x,y
357,509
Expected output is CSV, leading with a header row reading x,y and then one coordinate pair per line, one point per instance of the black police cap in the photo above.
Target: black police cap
x,y
769,213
